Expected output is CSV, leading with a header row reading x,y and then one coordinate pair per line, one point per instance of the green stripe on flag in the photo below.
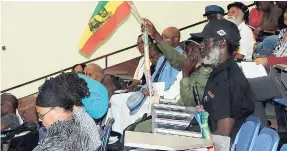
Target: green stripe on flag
x,y
99,7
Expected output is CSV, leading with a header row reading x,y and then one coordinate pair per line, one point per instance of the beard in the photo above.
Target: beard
x,y
212,57
234,19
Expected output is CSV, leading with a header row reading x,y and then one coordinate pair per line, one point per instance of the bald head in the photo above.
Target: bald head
x,y
172,36
9,104
95,72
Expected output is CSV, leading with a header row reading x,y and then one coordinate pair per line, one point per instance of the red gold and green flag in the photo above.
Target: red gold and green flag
x,y
105,19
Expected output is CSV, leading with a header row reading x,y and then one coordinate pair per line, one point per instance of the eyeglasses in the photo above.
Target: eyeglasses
x,y
42,116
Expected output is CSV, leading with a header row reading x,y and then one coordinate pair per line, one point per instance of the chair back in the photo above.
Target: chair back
x,y
284,147
106,135
247,134
267,140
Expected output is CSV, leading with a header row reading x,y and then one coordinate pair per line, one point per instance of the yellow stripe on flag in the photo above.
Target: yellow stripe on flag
x,y
110,7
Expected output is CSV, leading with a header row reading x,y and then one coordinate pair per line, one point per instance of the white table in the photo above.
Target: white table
x,y
163,142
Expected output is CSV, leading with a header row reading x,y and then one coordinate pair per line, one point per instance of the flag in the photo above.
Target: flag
x,y
106,17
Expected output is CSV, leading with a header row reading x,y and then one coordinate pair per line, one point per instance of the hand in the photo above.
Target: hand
x,y
262,61
132,87
150,28
145,92
190,65
256,32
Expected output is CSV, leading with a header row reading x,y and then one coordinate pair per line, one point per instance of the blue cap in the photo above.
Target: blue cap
x,y
213,9
97,103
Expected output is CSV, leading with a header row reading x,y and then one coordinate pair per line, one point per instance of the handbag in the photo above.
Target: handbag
x,y
136,100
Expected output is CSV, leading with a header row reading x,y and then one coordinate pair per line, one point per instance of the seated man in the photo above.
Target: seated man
x,y
280,52
238,13
139,77
95,72
271,14
9,105
172,36
119,109
214,12
226,83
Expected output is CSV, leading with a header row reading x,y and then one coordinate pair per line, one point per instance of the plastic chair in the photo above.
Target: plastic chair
x,y
267,140
245,138
284,147
106,136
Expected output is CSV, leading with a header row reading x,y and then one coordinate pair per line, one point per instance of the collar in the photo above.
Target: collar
x,y
241,25
178,48
61,128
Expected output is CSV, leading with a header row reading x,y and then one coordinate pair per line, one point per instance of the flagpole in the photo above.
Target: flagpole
x,y
146,47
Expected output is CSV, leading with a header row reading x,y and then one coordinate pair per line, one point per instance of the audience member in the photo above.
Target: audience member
x,y
283,6
271,14
119,109
9,104
226,81
280,52
54,106
79,68
214,12
139,78
95,72
238,13
269,23
172,36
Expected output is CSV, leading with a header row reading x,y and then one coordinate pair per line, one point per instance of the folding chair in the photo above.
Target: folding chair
x,y
247,134
107,132
284,147
267,140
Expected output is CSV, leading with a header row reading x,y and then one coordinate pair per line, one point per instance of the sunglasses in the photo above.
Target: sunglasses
x,y
42,116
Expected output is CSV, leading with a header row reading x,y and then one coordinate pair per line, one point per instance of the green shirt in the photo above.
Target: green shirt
x,y
198,77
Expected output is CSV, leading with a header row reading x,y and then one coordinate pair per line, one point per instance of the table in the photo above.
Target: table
x,y
163,142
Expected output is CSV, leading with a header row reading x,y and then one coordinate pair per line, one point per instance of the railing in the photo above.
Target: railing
x,y
98,58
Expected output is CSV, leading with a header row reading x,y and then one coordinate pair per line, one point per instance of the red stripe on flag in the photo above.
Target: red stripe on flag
x,y
120,14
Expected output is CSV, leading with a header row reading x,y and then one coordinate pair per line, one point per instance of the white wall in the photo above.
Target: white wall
x,y
43,37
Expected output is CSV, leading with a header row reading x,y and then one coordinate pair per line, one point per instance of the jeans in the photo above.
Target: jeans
x,y
267,46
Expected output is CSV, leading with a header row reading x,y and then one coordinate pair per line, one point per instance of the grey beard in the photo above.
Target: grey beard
x,y
213,58
235,20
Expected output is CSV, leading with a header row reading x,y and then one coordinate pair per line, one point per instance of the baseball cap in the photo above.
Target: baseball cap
x,y
96,104
219,29
213,9
241,6
193,39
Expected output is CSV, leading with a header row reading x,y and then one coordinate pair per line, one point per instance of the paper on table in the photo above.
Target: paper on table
x,y
158,88
251,70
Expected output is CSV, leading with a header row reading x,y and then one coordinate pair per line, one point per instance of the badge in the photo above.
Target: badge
x,y
210,94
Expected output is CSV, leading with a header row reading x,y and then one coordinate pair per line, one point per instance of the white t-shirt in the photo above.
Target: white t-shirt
x,y
139,70
247,41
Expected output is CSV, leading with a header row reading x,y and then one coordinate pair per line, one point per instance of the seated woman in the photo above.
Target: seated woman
x,y
280,53
54,105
